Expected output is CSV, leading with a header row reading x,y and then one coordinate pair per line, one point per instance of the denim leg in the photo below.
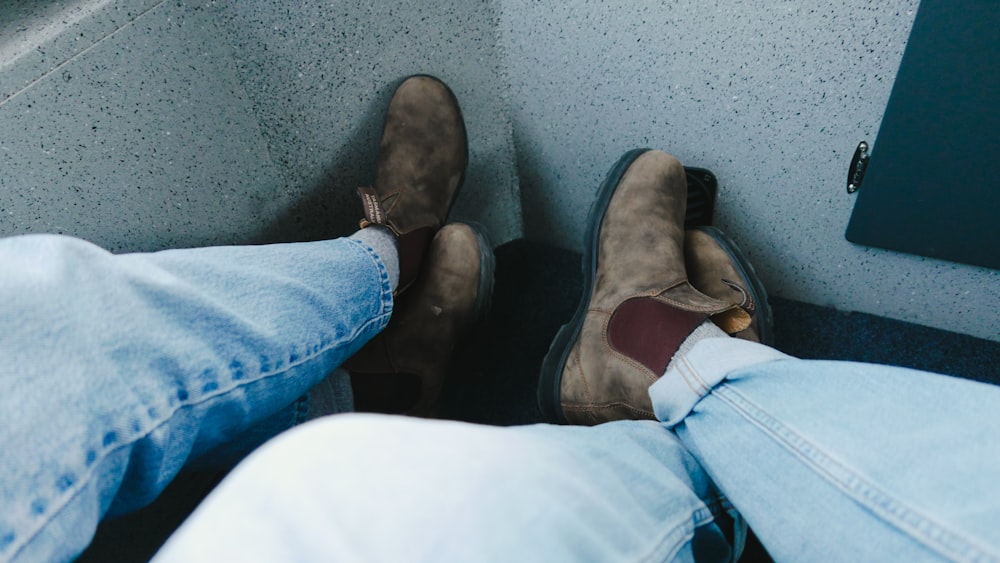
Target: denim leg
x,y
839,460
382,488
119,369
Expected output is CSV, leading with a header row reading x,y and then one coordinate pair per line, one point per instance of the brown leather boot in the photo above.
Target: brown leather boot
x,y
637,305
421,166
403,368
717,267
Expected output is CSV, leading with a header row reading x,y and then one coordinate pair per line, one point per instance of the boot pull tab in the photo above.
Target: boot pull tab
x,y
374,214
747,304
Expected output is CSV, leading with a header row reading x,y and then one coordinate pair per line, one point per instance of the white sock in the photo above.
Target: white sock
x,y
384,243
706,329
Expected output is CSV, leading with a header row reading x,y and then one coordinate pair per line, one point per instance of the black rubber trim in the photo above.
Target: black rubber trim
x,y
702,187
550,376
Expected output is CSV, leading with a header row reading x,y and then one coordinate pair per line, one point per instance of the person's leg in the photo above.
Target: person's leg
x,y
382,488
827,460
833,460
390,488
840,460
403,369
119,369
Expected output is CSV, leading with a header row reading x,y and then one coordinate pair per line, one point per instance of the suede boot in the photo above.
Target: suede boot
x,y
402,369
637,305
717,267
421,166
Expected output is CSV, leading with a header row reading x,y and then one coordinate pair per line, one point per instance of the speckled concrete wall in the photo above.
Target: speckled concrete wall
x,y
773,96
129,128
320,74
145,124
142,124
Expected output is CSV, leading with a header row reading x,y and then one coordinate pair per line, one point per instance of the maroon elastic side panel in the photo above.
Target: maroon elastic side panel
x,y
412,247
650,332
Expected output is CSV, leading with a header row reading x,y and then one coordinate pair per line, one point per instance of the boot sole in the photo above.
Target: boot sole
x,y
487,271
550,376
754,286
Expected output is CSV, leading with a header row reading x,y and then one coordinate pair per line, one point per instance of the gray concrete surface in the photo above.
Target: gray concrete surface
x,y
138,138
320,75
145,124
142,125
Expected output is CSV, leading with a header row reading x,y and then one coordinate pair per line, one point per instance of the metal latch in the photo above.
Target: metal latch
x,y
859,164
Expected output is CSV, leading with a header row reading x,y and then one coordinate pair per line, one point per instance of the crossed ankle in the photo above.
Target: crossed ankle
x,y
385,244
706,329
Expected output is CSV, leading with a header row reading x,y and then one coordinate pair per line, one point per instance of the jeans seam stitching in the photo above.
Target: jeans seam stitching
x,y
380,317
702,388
18,546
386,300
909,521
680,532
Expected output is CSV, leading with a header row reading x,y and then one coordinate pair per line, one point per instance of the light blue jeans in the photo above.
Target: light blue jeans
x,y
827,461
119,370
122,369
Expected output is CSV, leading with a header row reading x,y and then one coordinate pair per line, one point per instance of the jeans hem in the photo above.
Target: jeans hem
x,y
387,299
693,375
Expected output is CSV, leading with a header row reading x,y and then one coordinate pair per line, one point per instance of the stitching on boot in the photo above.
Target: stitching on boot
x,y
583,376
591,408
648,373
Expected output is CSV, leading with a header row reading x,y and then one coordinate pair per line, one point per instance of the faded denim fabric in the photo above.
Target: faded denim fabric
x,y
117,370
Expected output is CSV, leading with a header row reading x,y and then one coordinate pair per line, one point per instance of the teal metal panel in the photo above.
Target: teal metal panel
x,y
933,184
